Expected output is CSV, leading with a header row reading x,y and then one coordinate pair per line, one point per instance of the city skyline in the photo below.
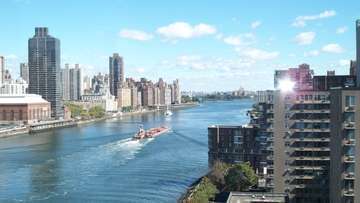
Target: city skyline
x,y
243,45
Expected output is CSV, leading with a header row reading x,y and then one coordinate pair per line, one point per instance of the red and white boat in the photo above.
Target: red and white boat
x,y
151,133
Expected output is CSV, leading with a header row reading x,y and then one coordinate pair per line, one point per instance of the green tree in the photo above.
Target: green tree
x,y
96,112
217,173
240,177
203,191
75,109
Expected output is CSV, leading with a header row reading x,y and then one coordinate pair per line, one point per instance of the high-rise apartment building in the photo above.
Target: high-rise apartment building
x,y
147,96
302,76
75,83
24,72
71,82
358,52
124,97
44,69
301,145
65,82
234,144
345,137
177,93
116,73
344,165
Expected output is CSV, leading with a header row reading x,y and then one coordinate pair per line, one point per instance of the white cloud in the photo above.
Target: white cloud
x,y
341,30
257,54
344,62
305,38
312,53
140,70
240,40
301,21
196,62
332,48
193,62
255,24
135,35
183,30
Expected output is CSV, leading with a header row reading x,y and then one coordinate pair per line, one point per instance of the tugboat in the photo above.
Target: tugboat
x,y
151,133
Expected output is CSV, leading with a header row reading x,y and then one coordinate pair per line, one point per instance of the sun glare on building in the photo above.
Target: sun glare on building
x,y
286,85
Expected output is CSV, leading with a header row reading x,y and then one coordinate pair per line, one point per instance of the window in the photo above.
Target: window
x,y
238,139
349,134
349,101
349,168
349,150
349,117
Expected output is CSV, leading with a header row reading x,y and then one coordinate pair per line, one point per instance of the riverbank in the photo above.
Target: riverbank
x,y
50,125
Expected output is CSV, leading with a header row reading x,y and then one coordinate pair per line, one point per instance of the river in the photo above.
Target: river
x,y
100,162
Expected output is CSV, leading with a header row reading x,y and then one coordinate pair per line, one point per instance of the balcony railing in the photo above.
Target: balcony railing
x,y
349,109
303,177
349,125
312,102
349,142
349,176
349,159
305,149
311,168
311,140
349,192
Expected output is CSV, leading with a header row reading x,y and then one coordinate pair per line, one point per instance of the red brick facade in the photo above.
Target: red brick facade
x,y
24,112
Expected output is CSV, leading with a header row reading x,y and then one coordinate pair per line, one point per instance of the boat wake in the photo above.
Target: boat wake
x,y
78,168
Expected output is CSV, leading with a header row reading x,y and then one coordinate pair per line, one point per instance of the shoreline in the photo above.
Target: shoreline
x,y
52,125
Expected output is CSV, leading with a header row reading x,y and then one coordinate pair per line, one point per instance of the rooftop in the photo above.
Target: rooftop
x,y
21,99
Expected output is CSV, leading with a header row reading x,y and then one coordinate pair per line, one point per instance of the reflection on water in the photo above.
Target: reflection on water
x,y
100,162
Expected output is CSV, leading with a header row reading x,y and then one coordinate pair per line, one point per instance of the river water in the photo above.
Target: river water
x,y
99,162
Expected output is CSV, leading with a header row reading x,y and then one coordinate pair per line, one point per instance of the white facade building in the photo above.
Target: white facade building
x,y
106,101
14,87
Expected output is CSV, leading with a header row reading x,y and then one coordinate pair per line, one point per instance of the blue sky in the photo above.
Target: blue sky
x,y
209,45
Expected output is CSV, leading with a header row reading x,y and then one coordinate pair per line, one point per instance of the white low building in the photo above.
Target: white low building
x,y
106,101
14,87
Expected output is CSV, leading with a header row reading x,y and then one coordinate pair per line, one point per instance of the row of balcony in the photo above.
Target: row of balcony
x,y
312,102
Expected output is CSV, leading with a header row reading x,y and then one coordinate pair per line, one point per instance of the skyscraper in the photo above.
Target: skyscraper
x,y
358,52
44,69
65,82
116,73
24,71
2,68
75,83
